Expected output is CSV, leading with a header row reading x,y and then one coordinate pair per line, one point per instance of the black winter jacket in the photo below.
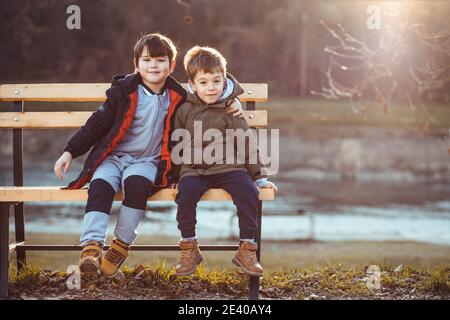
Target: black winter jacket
x,y
108,125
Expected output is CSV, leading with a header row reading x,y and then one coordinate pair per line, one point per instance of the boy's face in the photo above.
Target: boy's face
x,y
208,85
154,70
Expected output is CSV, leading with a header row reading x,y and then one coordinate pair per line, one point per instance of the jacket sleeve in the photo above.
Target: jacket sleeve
x,y
95,128
253,161
179,123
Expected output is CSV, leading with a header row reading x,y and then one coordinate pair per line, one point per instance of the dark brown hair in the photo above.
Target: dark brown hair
x,y
157,45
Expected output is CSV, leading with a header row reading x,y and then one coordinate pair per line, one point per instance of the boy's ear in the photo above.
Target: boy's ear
x,y
172,66
192,85
136,70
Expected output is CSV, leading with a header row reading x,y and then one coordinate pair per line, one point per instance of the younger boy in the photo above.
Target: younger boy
x,y
210,87
129,134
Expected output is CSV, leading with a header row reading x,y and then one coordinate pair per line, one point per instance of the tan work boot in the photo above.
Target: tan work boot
x,y
245,258
114,257
91,258
190,258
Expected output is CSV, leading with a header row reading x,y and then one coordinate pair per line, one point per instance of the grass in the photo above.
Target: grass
x,y
438,281
27,276
324,282
322,112
293,270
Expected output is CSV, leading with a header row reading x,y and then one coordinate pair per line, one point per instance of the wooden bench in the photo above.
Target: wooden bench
x,y
15,196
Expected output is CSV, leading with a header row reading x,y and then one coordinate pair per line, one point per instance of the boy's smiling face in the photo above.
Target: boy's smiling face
x,y
208,85
154,70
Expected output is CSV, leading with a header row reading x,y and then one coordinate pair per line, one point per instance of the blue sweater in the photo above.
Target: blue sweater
x,y
143,139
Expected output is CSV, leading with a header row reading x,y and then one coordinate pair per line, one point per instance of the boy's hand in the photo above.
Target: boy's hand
x,y
63,163
270,185
173,186
235,107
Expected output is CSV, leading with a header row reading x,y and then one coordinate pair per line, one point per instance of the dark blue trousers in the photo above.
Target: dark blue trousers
x,y
237,183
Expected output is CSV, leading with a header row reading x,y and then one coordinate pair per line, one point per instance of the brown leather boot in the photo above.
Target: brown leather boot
x,y
245,258
114,257
190,258
91,258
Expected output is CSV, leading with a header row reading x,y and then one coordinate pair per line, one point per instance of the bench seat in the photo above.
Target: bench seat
x,y
51,194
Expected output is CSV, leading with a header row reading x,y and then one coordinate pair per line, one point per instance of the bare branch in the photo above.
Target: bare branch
x,y
375,73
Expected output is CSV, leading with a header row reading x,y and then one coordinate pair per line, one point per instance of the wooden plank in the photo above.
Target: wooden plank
x,y
93,92
68,119
55,194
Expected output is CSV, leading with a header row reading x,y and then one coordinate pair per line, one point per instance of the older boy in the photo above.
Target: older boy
x,y
210,87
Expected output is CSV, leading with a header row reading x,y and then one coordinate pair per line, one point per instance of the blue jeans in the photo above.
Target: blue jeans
x,y
237,183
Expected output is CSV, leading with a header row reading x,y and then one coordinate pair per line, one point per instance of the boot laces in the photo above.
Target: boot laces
x,y
187,253
90,252
250,255
114,256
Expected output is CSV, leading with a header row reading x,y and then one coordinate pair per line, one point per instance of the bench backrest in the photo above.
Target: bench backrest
x,y
82,92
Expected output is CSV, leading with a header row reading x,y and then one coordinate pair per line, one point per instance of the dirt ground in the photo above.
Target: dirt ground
x,y
293,271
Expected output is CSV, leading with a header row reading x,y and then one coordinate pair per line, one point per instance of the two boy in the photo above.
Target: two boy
x,y
130,139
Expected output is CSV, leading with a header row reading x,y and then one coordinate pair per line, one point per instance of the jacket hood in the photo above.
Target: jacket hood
x,y
231,91
129,82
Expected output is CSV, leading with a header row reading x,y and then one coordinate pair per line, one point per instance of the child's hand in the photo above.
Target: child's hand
x,y
270,185
235,107
173,186
63,162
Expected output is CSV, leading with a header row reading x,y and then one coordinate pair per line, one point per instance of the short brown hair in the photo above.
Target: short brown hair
x,y
204,58
157,45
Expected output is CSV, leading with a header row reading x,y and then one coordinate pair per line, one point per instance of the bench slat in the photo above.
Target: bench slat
x,y
69,119
94,92
55,194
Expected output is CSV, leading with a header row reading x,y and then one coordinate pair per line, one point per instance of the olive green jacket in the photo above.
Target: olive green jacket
x,y
199,157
